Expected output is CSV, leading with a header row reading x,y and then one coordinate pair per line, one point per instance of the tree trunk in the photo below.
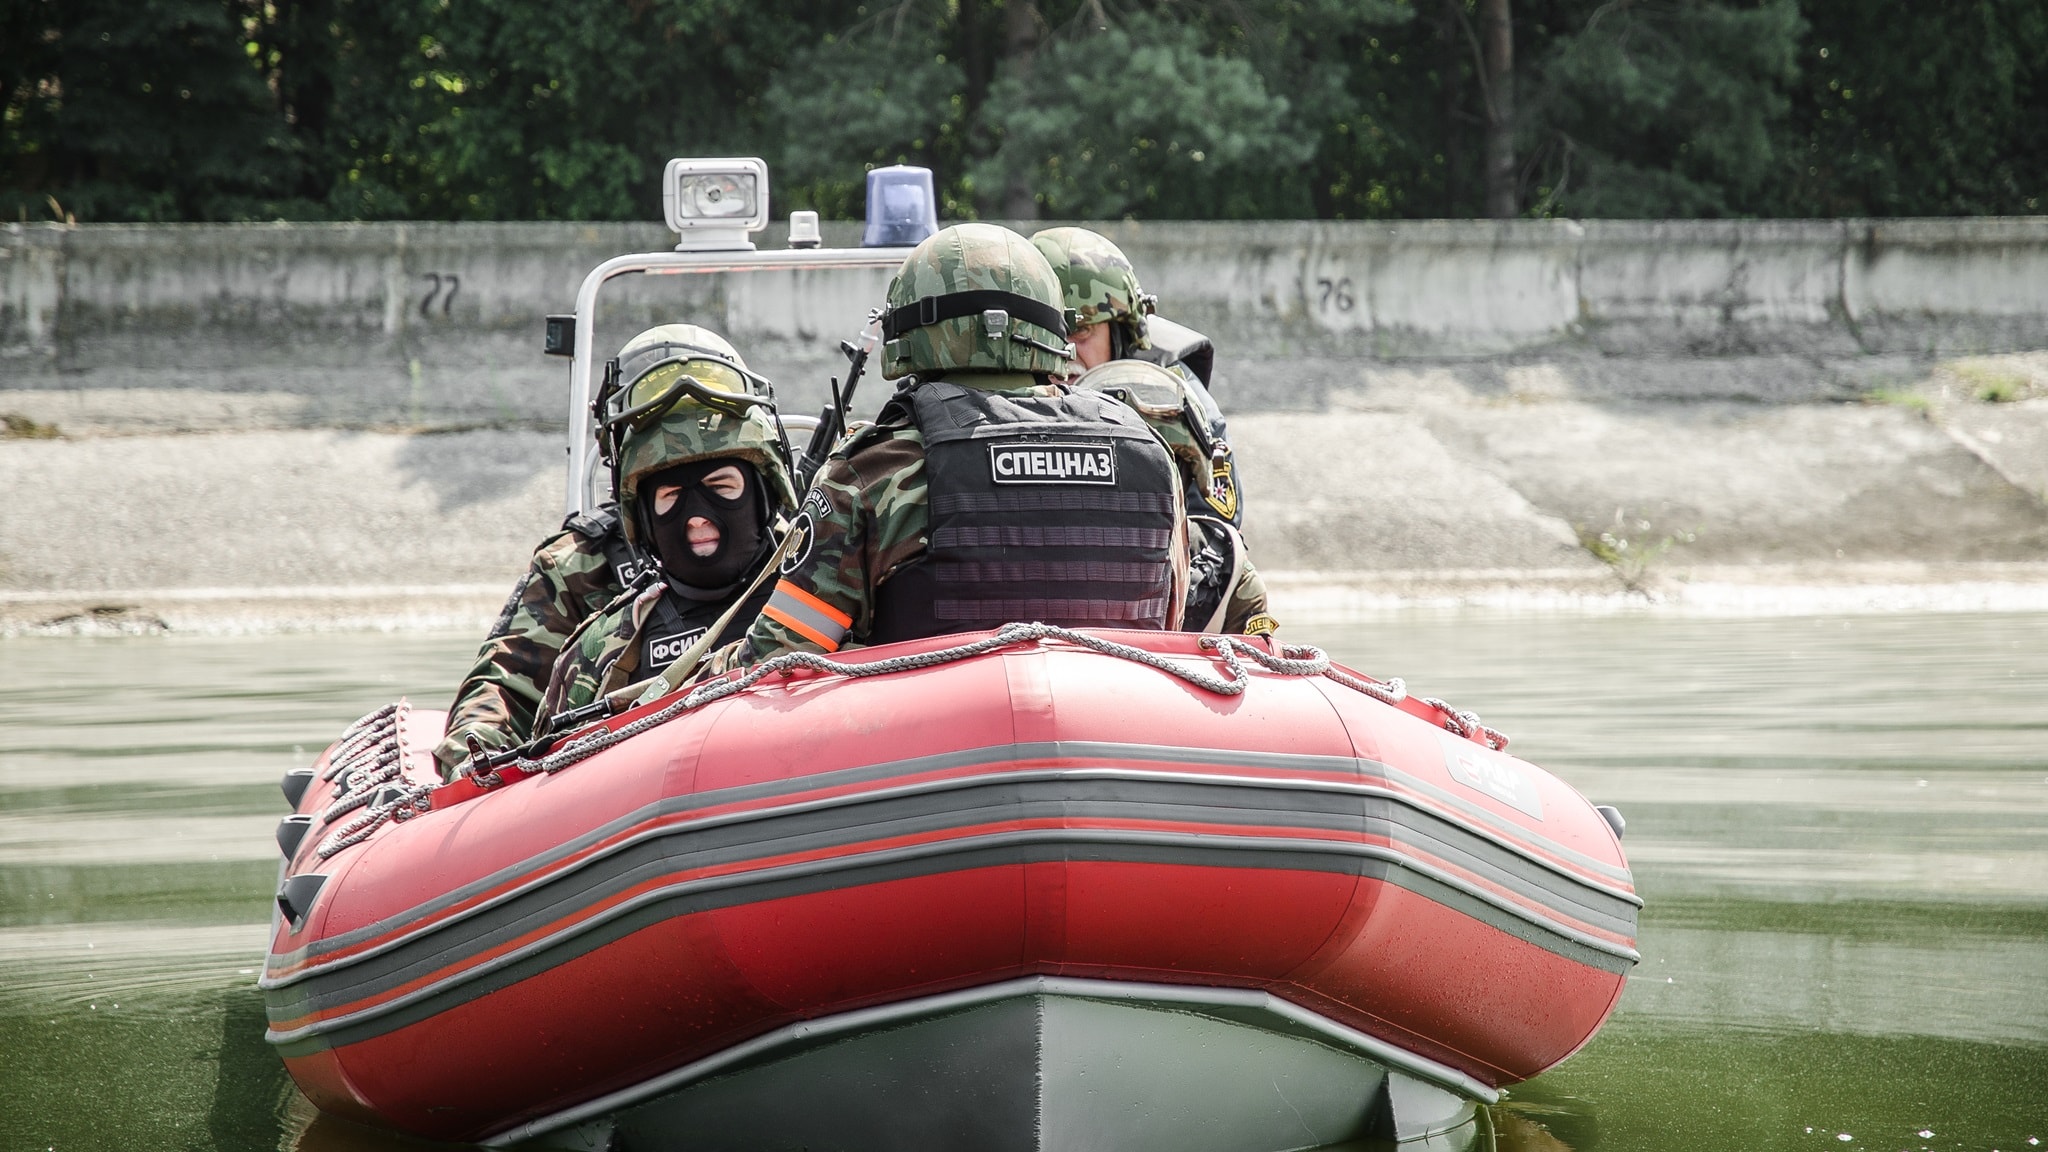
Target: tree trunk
x,y
1499,38
1449,93
1020,46
972,52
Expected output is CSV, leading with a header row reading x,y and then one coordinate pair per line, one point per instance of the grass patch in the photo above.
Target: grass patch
x,y
1906,398
1629,548
1994,381
15,426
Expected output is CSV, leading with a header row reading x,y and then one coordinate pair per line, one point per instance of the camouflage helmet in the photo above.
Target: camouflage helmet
x,y
974,298
1096,279
690,431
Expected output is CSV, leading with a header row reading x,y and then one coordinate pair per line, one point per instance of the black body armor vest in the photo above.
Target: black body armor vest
x,y
676,623
1043,508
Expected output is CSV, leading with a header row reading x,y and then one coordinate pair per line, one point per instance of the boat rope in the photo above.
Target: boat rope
x,y
369,759
399,802
1291,660
365,736
359,784
367,766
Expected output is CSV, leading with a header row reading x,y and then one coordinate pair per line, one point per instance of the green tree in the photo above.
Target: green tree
x,y
1345,70
1660,109
889,91
138,110
524,109
1141,119
521,110
1932,110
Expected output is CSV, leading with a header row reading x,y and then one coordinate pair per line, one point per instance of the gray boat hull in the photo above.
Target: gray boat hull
x,y
1045,1064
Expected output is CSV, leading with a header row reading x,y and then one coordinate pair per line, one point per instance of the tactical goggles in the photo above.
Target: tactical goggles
x,y
685,378
1160,399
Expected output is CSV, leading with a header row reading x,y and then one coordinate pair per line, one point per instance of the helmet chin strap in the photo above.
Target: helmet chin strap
x,y
1064,352
1119,340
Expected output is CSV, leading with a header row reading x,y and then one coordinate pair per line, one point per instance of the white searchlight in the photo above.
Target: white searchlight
x,y
715,205
901,208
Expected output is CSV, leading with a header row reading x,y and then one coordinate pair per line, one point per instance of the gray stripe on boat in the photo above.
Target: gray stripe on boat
x,y
919,765
893,863
948,804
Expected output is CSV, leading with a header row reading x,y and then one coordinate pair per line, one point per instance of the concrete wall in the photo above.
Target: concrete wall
x,y
439,324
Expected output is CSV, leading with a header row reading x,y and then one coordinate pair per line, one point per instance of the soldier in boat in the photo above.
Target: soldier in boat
x,y
1167,385
700,487
985,491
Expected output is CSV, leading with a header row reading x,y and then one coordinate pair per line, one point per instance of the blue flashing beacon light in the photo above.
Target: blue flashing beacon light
x,y
901,208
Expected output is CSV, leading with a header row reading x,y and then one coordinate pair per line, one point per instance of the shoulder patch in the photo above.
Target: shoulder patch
x,y
803,535
867,438
1222,493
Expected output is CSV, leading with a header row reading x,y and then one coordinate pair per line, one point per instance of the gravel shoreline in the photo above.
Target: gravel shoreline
x,y
1301,599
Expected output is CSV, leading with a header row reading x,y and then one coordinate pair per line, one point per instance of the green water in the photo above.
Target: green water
x,y
1840,825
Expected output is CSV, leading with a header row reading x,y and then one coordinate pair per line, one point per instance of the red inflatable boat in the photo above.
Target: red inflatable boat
x,y
1031,889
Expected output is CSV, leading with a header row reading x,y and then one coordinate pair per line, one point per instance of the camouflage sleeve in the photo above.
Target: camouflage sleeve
x,y
719,661
1170,436
1246,612
1181,552
568,579
600,655
864,518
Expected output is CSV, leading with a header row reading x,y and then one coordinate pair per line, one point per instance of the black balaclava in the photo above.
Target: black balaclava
x,y
742,527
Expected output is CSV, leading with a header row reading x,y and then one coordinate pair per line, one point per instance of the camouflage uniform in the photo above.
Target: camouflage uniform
x,y
582,578
604,656
1219,557
607,652
868,516
1098,282
570,579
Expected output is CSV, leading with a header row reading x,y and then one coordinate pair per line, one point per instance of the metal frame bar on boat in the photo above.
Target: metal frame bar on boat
x,y
583,374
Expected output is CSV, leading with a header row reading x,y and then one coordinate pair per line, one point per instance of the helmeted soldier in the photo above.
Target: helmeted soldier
x,y
984,492
1116,327
576,573
1225,591
703,485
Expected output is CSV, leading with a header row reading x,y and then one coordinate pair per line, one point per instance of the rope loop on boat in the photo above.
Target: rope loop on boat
x,y
367,766
399,802
1467,724
1007,636
359,784
365,738
369,759
1306,660
1231,651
